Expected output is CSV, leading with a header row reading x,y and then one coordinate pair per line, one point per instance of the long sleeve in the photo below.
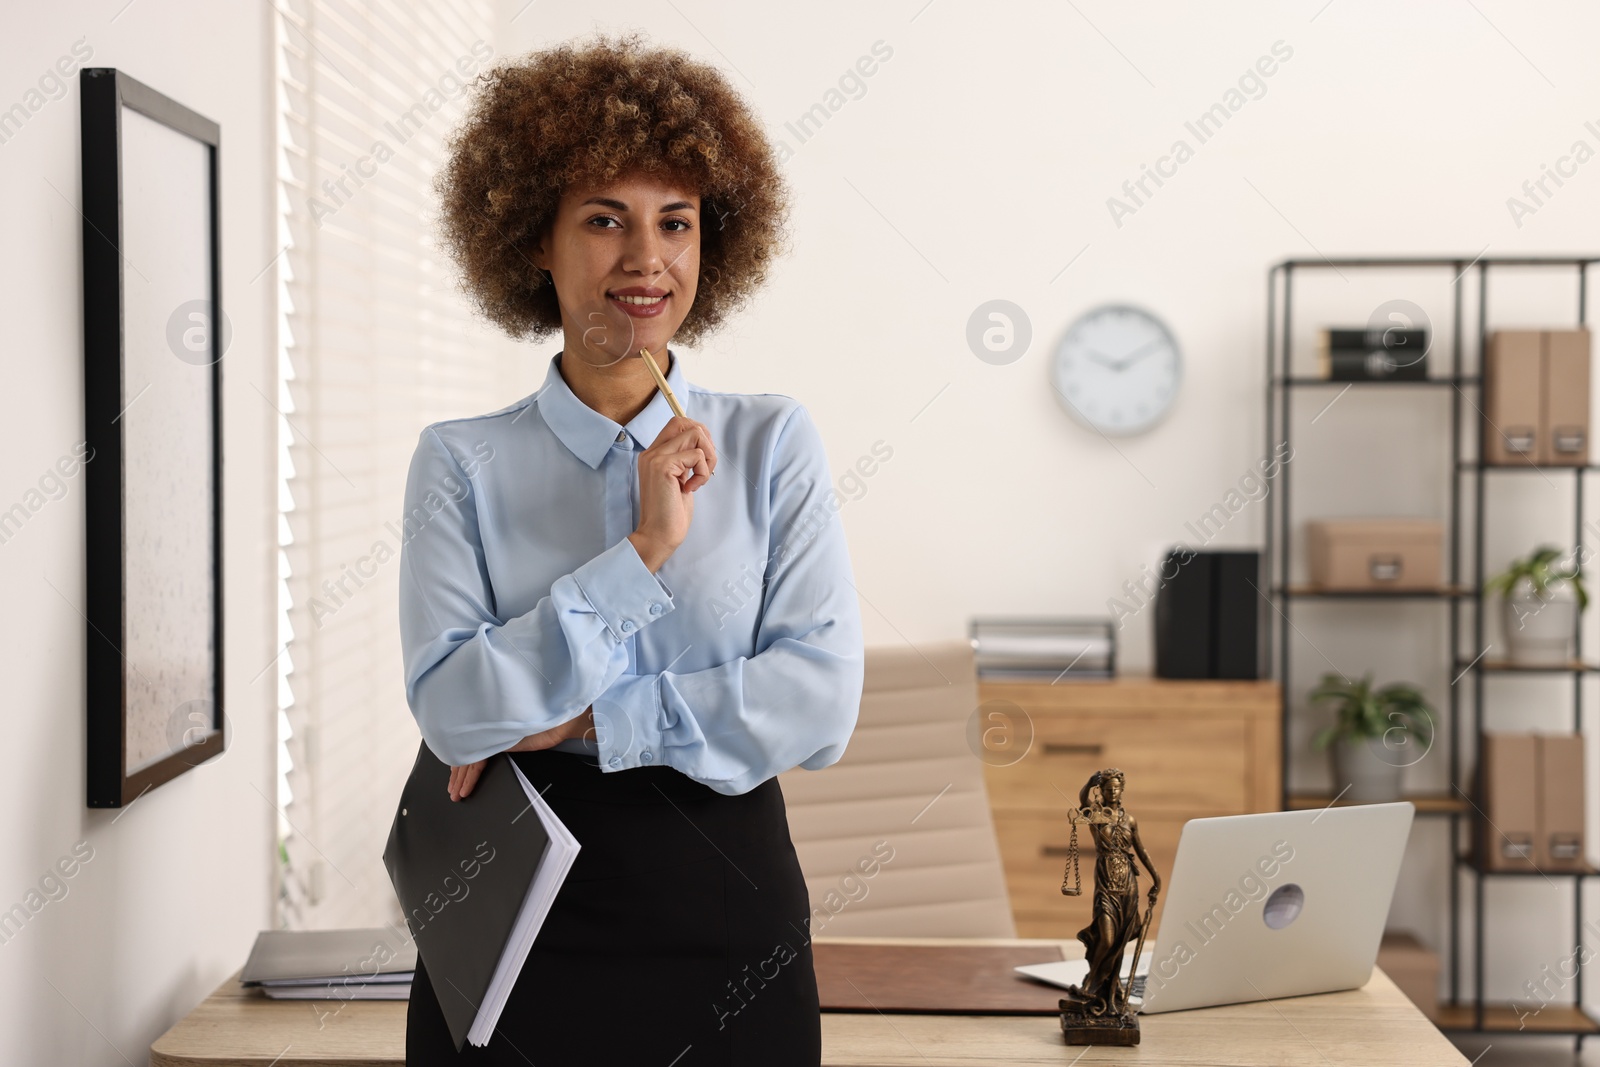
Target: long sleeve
x,y
794,702
476,683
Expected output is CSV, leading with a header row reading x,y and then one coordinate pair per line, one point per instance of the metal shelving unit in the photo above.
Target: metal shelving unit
x,y
1459,805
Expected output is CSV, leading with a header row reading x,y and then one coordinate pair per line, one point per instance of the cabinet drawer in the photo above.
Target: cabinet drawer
x,y
1033,850
1193,767
1051,925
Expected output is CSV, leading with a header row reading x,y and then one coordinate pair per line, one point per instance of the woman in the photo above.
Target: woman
x,y
1117,920
654,614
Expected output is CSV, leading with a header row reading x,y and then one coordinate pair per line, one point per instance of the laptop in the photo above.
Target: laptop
x,y
1279,904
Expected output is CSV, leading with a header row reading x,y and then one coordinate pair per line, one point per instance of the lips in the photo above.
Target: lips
x,y
638,302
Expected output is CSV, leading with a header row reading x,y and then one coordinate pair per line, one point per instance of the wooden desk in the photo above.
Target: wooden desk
x,y
235,1027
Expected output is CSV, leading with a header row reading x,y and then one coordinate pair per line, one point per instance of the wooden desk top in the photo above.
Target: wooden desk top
x,y
236,1027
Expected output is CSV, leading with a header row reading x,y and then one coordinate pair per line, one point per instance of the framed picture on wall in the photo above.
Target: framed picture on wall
x,y
153,425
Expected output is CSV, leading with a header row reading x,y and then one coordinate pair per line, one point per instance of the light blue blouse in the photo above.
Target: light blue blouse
x,y
522,601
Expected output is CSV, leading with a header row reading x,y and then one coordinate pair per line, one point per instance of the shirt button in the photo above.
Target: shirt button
x,y
646,757
622,435
627,626
655,609
615,761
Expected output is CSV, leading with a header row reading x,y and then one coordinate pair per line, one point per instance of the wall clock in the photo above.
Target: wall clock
x,y
1117,369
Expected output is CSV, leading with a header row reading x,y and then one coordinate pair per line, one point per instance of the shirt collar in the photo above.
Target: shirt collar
x,y
589,434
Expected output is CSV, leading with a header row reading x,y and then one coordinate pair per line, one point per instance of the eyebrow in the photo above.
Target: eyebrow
x,y
604,201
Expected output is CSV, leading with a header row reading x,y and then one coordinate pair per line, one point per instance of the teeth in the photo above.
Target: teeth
x,y
639,299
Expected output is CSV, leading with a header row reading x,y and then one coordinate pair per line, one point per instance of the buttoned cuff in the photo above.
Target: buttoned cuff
x,y
627,719
622,590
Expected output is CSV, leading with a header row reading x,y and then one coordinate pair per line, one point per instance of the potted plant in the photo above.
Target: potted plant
x,y
1539,614
1376,734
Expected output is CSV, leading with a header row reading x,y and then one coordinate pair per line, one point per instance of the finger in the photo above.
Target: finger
x,y
676,463
470,779
679,423
539,741
691,461
708,465
455,781
684,432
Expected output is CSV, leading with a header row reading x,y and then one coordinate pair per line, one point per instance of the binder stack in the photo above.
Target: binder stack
x,y
363,964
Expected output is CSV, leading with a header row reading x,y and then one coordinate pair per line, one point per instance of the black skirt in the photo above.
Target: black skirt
x,y
680,937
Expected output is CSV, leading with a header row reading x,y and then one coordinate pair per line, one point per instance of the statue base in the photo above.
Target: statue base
x,y
1078,1027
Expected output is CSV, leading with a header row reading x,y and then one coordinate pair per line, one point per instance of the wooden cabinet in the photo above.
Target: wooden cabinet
x,y
1190,749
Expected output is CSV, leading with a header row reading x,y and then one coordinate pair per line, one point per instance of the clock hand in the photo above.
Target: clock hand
x,y
1139,353
1104,361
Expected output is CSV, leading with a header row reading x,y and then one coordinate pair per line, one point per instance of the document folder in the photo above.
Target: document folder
x,y
476,878
370,963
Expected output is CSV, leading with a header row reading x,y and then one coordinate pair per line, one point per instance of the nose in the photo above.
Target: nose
x,y
642,253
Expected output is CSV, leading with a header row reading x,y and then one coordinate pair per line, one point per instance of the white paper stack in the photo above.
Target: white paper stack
x,y
558,859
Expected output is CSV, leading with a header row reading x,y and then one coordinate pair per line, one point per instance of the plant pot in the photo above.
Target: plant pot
x,y
1539,630
1370,770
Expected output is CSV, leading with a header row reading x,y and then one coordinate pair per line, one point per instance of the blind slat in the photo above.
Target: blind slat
x,y
376,343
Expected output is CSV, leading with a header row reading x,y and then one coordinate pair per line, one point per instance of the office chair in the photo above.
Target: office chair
x,y
896,838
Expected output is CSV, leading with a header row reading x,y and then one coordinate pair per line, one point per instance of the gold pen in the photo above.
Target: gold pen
x,y
661,382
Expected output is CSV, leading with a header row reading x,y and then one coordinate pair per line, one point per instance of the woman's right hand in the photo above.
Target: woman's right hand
x,y
681,460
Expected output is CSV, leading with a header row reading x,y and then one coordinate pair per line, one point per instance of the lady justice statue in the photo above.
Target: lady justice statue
x,y
1097,1013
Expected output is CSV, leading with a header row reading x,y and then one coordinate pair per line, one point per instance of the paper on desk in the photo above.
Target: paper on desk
x,y
1066,973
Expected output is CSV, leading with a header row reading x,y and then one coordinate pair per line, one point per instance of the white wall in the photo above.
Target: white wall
x,y
178,883
977,164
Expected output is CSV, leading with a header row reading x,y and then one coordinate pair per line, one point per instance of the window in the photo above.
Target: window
x,y
375,343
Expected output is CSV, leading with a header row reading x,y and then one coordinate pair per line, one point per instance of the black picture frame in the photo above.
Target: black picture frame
x,y
131,747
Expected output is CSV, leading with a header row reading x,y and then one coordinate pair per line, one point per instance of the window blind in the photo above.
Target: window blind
x,y
375,343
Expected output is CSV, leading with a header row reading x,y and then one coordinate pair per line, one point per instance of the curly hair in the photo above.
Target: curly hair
x,y
586,113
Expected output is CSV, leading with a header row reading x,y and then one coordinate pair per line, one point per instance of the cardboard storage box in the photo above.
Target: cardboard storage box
x,y
1362,554
1513,394
1560,820
1414,969
1508,769
1564,434
1536,398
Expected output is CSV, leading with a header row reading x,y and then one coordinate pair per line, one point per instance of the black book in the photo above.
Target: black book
x,y
1365,338
1236,615
1207,615
1371,354
476,878
1376,365
1184,616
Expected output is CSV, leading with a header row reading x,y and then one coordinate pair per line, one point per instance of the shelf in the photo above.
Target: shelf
x,y
1303,380
1507,667
1461,263
1472,865
1561,468
1559,1019
1427,803
1311,591
1289,374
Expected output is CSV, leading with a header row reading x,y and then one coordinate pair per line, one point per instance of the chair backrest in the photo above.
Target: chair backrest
x,y
896,838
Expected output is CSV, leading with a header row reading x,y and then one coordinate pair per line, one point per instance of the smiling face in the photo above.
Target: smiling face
x,y
625,258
